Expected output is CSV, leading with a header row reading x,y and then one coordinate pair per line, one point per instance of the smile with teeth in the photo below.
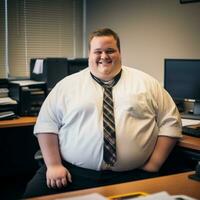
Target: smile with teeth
x,y
105,62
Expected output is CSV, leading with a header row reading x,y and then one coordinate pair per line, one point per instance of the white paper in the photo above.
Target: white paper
x,y
4,92
183,197
27,82
7,101
38,67
189,122
6,114
156,196
163,196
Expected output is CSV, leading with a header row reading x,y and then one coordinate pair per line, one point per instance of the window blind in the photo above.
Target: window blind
x,y
42,28
2,40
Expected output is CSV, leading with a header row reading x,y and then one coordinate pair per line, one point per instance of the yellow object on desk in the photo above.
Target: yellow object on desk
x,y
127,196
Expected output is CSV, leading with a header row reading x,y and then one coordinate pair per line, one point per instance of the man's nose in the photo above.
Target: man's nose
x,y
104,55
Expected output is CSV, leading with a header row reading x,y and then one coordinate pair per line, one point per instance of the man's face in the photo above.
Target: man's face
x,y
104,57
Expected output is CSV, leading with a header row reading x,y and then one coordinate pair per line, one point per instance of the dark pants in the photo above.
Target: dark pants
x,y
81,179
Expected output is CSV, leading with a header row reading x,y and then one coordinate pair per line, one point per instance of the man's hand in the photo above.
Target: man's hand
x,y
57,176
162,150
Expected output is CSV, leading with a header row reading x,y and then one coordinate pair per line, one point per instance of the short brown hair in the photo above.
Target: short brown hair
x,y
105,32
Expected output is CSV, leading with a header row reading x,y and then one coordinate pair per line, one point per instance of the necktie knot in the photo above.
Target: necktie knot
x,y
108,88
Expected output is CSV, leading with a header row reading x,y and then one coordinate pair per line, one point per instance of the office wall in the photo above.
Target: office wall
x,y
150,30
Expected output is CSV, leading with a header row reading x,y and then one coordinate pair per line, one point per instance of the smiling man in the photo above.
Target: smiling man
x,y
104,56
106,124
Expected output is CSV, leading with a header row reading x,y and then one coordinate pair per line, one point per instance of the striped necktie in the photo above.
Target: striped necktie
x,y
109,154
109,150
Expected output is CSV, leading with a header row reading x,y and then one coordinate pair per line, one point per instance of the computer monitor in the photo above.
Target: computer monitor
x,y
182,81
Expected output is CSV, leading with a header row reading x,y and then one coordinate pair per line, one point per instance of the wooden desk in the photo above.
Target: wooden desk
x,y
22,121
190,142
173,184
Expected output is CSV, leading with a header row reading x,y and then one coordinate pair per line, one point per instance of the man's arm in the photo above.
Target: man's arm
x,y
57,175
164,146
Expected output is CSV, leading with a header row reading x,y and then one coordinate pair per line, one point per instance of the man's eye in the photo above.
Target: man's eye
x,y
97,52
110,51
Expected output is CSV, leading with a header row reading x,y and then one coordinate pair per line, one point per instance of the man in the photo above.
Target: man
x,y
71,124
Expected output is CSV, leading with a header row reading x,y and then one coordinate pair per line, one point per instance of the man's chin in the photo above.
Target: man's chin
x,y
105,70
105,75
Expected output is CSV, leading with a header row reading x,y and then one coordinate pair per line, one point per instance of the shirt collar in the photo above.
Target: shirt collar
x,y
110,83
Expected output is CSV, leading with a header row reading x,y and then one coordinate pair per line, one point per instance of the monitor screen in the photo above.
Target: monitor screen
x,y
182,78
182,81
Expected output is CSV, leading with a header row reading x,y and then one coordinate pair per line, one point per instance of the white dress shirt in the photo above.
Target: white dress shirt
x,y
143,111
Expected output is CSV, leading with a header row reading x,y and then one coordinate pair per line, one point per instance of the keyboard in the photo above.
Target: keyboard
x,y
195,132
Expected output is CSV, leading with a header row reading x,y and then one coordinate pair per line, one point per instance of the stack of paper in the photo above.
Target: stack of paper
x,y
7,101
157,196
